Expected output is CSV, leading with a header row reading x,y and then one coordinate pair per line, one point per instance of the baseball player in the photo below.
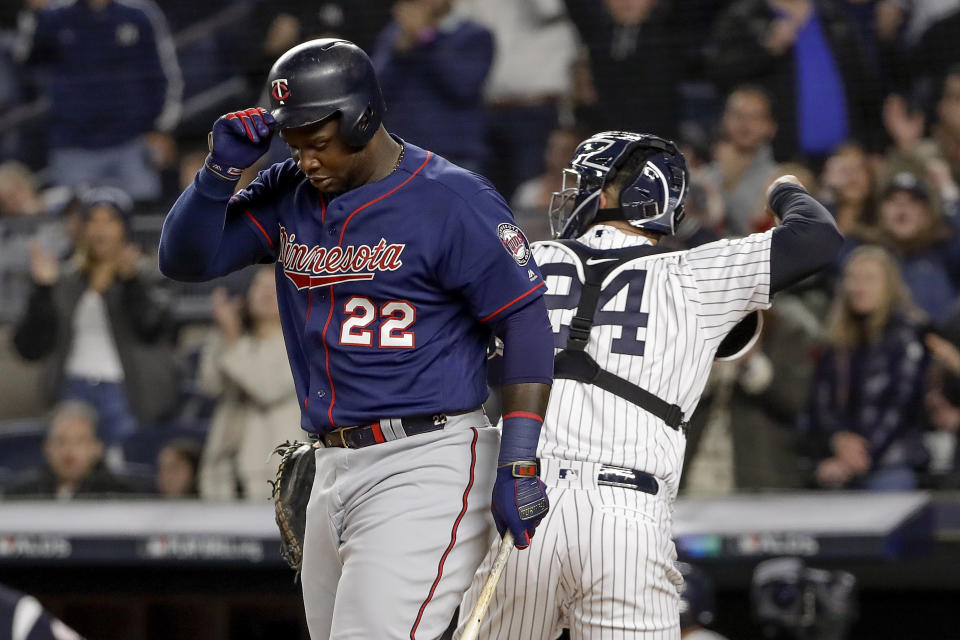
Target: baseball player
x,y
22,617
394,268
636,329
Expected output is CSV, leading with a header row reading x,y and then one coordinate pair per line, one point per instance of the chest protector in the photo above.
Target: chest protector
x,y
574,363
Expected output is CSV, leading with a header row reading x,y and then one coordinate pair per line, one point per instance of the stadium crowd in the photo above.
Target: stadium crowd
x,y
117,381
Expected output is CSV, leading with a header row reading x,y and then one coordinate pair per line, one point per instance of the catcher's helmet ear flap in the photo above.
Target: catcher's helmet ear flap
x,y
323,78
651,196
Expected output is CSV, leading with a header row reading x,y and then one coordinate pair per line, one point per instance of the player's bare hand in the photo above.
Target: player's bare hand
x,y
413,17
944,352
780,36
44,266
851,449
904,126
237,141
784,179
128,261
942,414
227,314
833,473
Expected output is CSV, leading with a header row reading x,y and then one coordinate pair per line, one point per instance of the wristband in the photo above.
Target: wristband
x,y
227,173
521,435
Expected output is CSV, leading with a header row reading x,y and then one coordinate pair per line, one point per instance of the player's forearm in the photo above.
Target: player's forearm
x,y
195,231
527,375
524,406
807,241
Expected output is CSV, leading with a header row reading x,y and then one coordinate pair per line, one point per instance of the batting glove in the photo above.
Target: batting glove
x,y
519,500
238,140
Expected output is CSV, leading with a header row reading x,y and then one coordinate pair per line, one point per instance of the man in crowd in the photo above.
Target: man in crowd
x,y
113,80
432,66
743,161
74,460
635,61
806,54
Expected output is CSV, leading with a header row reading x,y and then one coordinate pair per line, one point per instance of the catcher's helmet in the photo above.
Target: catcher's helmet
x,y
321,78
652,199
696,599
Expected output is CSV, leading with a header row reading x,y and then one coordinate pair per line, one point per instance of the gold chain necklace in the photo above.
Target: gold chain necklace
x,y
399,159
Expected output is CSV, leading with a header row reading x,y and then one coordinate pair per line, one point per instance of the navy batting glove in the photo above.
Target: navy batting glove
x,y
238,140
519,501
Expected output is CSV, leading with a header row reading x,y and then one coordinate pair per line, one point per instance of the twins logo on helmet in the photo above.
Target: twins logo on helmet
x,y
280,89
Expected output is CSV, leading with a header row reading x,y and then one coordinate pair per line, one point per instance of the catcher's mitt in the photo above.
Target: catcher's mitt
x,y
291,492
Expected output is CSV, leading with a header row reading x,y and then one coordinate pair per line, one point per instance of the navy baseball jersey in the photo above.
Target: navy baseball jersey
x,y
385,290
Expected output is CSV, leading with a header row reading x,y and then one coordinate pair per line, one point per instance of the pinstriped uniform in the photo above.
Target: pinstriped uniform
x,y
601,563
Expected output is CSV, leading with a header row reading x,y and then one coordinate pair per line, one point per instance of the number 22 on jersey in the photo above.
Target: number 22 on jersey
x,y
629,284
396,317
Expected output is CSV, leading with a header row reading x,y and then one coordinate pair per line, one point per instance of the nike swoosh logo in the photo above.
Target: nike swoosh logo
x,y
593,261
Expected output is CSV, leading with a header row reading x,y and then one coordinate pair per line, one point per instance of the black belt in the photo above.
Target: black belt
x,y
628,479
366,435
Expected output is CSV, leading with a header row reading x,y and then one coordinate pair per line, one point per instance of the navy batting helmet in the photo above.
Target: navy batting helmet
x,y
651,198
696,599
322,78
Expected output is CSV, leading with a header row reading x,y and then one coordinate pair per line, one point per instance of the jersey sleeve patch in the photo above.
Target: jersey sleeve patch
x,y
515,243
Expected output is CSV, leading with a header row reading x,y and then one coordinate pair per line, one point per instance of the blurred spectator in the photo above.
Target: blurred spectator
x,y
928,249
703,213
925,14
905,124
942,404
879,24
846,188
273,29
74,459
532,198
246,368
19,195
743,158
535,49
22,617
432,65
741,436
863,417
806,53
636,61
97,325
946,130
112,77
178,464
937,49
697,605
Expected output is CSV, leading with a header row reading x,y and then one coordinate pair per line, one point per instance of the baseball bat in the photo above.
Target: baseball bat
x,y
472,629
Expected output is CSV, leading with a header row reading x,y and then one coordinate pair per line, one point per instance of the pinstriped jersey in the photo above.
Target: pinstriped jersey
x,y
659,321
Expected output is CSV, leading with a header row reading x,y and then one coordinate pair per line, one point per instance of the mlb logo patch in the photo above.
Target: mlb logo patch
x,y
514,242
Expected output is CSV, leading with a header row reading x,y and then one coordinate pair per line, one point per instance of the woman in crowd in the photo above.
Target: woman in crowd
x,y
928,250
847,188
244,365
863,418
98,327
178,464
